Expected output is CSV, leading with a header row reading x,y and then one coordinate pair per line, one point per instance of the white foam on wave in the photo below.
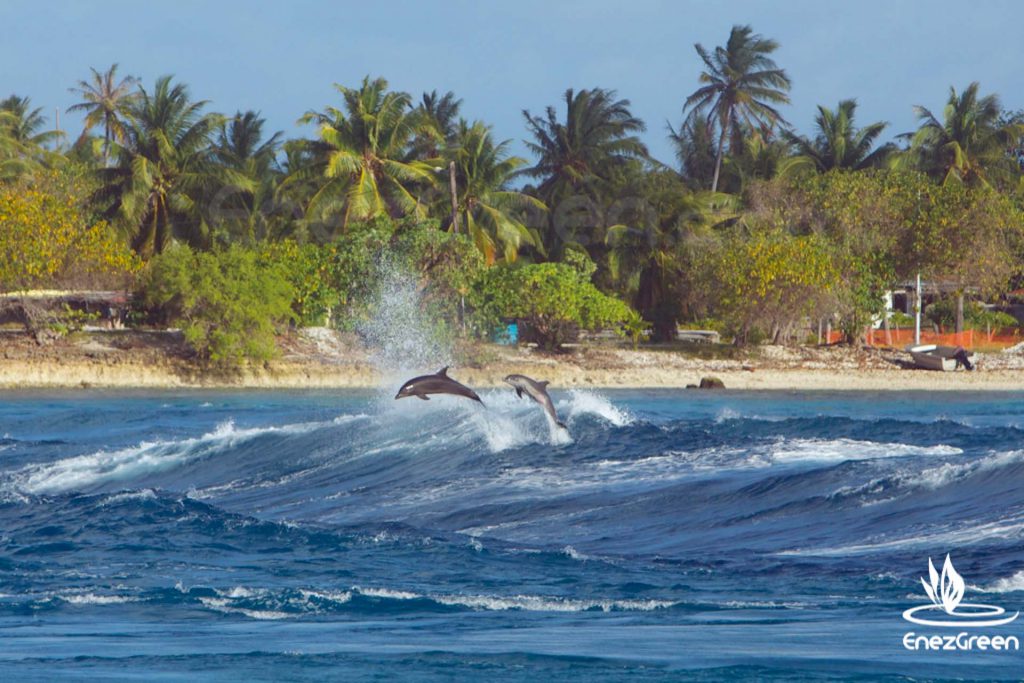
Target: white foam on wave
x,y
931,478
947,473
1010,584
340,597
728,414
149,457
536,603
574,554
232,601
501,432
796,450
764,604
530,603
94,599
386,593
144,494
1011,529
224,606
228,601
585,402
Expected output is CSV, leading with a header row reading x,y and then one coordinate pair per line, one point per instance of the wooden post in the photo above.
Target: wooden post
x,y
455,197
917,312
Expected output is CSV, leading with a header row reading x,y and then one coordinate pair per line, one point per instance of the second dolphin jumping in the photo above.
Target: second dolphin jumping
x,y
538,391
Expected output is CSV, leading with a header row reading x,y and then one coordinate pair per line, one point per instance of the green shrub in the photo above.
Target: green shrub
x,y
899,319
635,328
227,303
329,281
553,299
976,316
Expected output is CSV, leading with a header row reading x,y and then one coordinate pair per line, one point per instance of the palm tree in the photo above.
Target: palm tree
x,y
16,158
597,137
245,209
107,102
742,83
968,143
486,204
654,258
839,144
436,120
359,155
162,168
695,151
762,157
24,124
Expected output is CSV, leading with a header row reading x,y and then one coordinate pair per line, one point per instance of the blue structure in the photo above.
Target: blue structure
x,y
509,335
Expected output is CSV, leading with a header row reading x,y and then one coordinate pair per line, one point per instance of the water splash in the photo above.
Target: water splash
x,y
583,402
400,332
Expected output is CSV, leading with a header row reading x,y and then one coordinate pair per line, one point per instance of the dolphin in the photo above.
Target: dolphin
x,y
538,391
438,383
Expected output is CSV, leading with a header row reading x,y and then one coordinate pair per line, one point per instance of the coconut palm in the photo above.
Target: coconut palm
x,y
246,211
162,168
358,154
839,144
742,83
25,124
762,157
106,102
436,120
487,206
596,138
969,143
653,258
695,151
16,158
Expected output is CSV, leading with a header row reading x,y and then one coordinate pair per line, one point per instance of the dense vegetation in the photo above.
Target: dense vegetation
x,y
234,232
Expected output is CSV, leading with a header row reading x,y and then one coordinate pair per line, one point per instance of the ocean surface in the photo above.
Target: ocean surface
x,y
670,535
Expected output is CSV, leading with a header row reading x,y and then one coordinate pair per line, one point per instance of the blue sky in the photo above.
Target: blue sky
x,y
502,57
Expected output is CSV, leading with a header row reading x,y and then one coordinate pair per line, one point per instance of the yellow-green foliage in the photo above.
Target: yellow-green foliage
x,y
46,242
770,279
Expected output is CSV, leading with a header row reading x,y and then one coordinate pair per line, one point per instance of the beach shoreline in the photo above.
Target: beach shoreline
x,y
324,360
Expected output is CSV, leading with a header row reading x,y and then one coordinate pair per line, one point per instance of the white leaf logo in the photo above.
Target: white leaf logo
x,y
946,591
933,589
952,586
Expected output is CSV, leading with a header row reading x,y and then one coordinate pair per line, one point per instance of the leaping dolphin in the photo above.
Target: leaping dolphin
x,y
439,383
538,391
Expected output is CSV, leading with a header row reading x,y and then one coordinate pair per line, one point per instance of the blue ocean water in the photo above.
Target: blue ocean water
x,y
346,536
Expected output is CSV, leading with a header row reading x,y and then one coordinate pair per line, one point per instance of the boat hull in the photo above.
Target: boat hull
x,y
933,357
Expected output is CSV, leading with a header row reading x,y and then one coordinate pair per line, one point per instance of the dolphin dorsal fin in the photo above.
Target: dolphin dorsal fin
x,y
544,384
443,372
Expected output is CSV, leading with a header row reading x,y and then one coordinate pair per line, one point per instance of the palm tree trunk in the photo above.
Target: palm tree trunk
x,y
721,149
106,146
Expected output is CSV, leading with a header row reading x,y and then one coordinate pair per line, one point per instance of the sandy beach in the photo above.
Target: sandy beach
x,y
322,359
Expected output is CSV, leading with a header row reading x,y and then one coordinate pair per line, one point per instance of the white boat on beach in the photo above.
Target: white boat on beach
x,y
934,357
